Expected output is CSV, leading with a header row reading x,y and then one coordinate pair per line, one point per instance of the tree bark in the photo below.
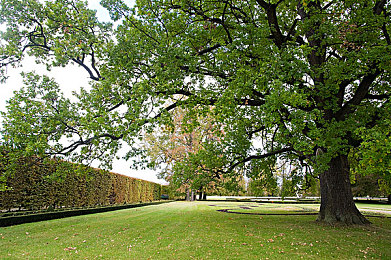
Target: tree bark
x,y
337,205
187,195
200,195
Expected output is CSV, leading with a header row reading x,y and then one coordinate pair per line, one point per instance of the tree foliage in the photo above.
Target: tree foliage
x,y
262,186
373,157
288,80
171,147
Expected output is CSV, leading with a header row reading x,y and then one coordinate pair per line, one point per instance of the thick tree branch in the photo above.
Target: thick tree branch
x,y
360,94
292,29
93,63
379,6
386,34
258,157
84,66
377,97
271,12
341,91
207,50
72,147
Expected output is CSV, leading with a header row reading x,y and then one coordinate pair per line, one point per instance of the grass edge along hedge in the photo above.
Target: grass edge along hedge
x,y
35,184
15,220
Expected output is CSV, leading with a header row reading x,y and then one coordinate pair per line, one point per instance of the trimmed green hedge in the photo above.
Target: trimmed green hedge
x,y
33,184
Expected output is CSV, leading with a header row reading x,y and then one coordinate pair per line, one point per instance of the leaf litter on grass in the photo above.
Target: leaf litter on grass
x,y
185,234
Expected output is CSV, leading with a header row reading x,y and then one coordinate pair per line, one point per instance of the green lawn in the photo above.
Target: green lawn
x,y
283,208
195,230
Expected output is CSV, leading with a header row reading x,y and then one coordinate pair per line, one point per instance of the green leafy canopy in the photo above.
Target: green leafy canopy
x,y
285,78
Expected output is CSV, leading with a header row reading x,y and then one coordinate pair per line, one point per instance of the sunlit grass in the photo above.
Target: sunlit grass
x,y
194,230
284,208
374,206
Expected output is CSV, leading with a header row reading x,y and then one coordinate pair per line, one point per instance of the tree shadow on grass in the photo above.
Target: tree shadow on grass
x,y
294,213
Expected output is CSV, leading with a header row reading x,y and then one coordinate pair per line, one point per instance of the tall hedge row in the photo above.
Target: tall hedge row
x,y
34,184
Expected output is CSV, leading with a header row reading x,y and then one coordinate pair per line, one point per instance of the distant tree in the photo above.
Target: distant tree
x,y
262,187
174,143
263,180
294,179
367,185
310,187
288,188
232,186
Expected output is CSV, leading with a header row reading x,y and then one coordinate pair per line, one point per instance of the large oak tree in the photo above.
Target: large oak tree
x,y
288,80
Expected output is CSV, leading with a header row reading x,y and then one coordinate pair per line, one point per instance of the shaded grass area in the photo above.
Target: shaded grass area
x,y
193,230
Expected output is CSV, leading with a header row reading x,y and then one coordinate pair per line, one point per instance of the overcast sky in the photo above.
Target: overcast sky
x,y
70,79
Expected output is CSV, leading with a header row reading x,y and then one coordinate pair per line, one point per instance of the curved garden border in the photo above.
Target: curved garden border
x,y
298,213
286,214
266,214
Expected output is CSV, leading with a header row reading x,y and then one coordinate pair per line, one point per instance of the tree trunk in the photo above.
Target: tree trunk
x,y
204,196
200,195
337,205
187,195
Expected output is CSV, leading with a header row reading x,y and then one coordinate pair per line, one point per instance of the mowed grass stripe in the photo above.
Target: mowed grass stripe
x,y
192,230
